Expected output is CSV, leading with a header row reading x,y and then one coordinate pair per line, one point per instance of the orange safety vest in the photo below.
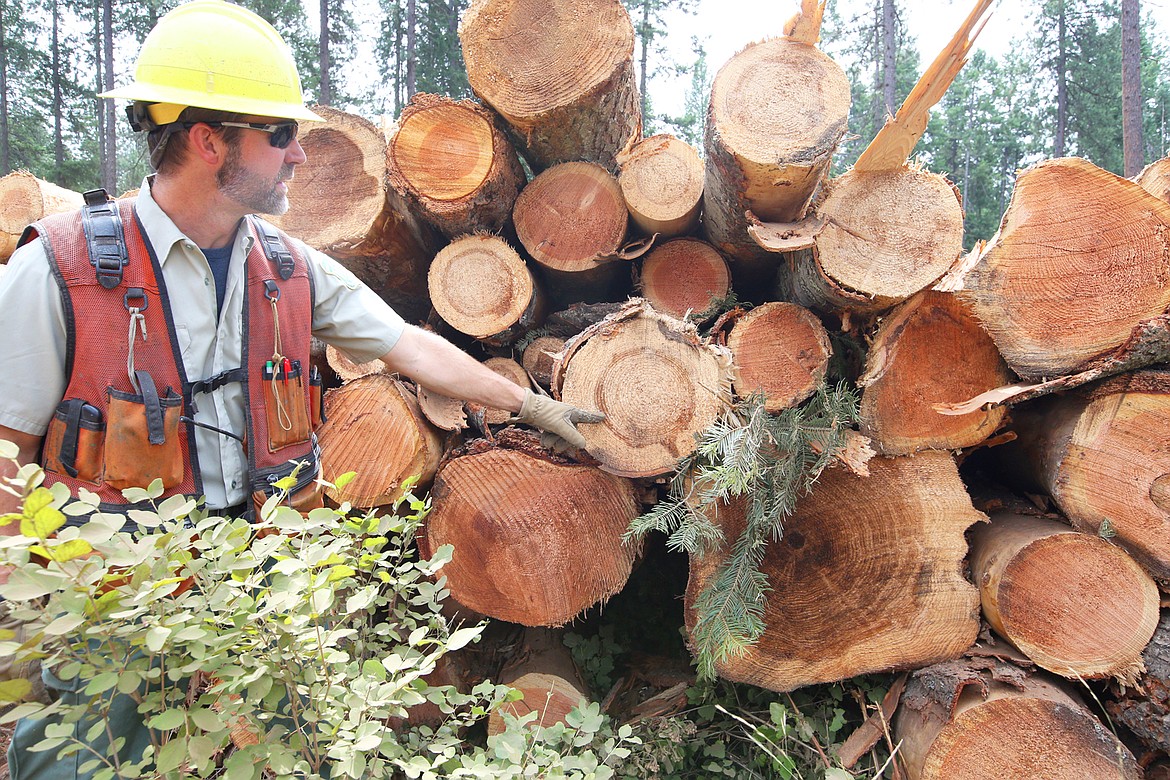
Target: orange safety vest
x,y
108,433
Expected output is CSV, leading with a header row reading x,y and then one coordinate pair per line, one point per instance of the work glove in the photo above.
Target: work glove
x,y
557,421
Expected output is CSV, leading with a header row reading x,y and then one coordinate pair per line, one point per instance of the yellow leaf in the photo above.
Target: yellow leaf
x,y
10,518
14,690
43,523
67,551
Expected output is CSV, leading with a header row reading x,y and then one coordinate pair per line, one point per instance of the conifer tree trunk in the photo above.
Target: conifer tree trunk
x,y
326,96
411,51
1131,87
109,164
1061,82
644,35
58,108
889,50
4,161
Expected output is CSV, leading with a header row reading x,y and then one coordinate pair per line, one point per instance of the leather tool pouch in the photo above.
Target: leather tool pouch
x,y
142,437
306,495
316,400
74,441
284,405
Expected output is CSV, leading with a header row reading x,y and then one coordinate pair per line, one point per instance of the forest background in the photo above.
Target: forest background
x,y
1049,85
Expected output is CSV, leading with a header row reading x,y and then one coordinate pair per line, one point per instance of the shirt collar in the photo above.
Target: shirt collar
x,y
162,232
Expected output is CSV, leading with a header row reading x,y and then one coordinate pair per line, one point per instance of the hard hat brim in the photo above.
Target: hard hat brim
x,y
249,106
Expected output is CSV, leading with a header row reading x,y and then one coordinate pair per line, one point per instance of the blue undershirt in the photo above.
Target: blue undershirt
x,y
219,259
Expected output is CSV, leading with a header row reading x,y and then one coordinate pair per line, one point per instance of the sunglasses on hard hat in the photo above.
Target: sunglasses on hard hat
x,y
280,134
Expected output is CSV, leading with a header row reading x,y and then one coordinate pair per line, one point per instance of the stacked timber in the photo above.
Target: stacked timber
x,y
24,199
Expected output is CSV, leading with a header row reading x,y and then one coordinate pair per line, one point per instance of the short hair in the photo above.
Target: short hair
x,y
167,144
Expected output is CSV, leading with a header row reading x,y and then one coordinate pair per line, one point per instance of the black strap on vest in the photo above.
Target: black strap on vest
x,y
217,381
103,238
274,249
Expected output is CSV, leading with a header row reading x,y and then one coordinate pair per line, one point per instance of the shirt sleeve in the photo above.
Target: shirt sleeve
x,y
33,350
347,313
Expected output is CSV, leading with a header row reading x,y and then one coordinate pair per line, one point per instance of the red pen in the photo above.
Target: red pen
x,y
285,367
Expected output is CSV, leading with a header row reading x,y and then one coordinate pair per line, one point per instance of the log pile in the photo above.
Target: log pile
x,y
753,271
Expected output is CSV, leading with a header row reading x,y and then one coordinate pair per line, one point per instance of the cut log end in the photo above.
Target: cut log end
x,y
444,151
662,182
480,286
781,350
539,356
685,276
514,372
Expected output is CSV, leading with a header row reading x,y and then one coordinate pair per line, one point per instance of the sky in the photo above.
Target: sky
x,y
724,29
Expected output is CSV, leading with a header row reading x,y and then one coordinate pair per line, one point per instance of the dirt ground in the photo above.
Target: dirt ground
x,y
5,738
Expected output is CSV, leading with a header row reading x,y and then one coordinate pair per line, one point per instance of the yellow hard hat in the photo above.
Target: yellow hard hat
x,y
216,55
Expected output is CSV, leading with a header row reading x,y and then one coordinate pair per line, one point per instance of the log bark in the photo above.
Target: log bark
x,y
885,236
537,541
23,200
929,350
845,598
560,74
454,166
987,719
1155,179
655,381
544,671
1077,267
539,356
572,220
1073,603
778,109
662,182
480,286
781,350
339,191
686,277
374,428
1145,708
346,369
1105,455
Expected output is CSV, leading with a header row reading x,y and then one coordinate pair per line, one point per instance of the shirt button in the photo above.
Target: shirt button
x,y
206,282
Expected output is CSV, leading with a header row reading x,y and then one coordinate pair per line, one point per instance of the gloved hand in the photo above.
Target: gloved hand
x,y
556,420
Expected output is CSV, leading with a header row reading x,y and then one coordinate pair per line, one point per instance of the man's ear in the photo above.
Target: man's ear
x,y
206,144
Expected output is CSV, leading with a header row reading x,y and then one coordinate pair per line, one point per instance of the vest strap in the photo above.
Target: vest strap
x,y
274,249
103,237
217,381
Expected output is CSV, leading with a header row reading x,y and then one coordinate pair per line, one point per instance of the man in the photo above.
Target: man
x,y
168,337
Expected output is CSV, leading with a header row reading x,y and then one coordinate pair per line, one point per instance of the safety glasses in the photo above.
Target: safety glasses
x,y
280,134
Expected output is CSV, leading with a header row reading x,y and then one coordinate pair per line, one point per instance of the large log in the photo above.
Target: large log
x,y
542,670
778,109
985,719
560,73
885,236
572,220
1155,179
662,181
1077,267
481,287
453,165
374,428
686,277
537,540
23,200
1103,456
339,191
845,598
1073,603
1145,708
781,350
929,350
657,383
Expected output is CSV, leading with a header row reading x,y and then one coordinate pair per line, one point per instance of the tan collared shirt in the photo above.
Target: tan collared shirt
x,y
346,314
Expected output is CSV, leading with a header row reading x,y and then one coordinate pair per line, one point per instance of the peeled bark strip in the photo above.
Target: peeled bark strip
x,y
572,219
1073,603
374,428
662,181
539,356
685,276
778,110
845,596
454,165
445,413
559,72
655,381
23,200
1106,456
1077,266
338,193
480,286
1145,708
348,370
781,350
958,721
544,671
1155,179
886,235
536,542
929,350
